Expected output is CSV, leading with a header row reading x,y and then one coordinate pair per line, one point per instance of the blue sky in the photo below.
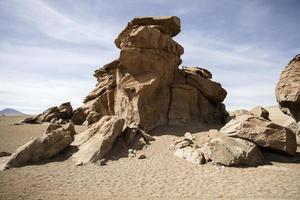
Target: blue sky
x,y
50,48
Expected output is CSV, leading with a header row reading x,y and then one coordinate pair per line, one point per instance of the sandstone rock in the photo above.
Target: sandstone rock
x,y
198,71
96,141
169,25
260,112
145,86
228,151
54,114
78,116
190,154
65,110
93,117
288,89
262,132
47,146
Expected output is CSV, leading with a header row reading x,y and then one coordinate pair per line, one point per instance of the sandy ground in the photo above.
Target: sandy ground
x,y
160,176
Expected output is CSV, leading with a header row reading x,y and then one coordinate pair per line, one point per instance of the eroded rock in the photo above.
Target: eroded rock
x,y
47,146
262,132
96,141
288,89
228,151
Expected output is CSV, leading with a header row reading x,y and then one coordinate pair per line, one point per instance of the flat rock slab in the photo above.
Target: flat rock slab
x,y
96,141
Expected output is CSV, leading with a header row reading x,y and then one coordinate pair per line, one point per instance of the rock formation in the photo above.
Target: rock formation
x,y
262,132
55,139
288,89
61,114
145,86
96,141
218,148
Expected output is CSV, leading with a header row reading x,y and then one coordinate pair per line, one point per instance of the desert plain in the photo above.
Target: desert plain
x,y
161,175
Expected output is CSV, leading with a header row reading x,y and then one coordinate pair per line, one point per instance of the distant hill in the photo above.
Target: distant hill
x,y
10,112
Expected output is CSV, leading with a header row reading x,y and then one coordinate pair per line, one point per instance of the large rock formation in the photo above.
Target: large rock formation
x,y
288,89
262,132
145,86
55,139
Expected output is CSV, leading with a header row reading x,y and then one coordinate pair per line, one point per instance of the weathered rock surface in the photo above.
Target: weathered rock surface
x,y
50,144
145,86
96,141
262,132
228,151
61,114
288,89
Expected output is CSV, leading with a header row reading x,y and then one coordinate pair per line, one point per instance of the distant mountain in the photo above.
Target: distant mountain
x,y
10,112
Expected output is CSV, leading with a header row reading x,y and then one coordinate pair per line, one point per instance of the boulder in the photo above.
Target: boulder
x,y
288,89
262,132
65,110
228,151
260,112
47,146
61,114
78,116
96,142
190,154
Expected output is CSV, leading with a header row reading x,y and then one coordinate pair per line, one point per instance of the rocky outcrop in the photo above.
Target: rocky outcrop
x,y
262,132
55,139
288,89
145,86
61,114
96,141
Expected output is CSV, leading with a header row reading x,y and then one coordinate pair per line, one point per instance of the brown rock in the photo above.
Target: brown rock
x,y
144,85
47,146
78,116
288,89
228,151
199,71
96,141
65,110
262,132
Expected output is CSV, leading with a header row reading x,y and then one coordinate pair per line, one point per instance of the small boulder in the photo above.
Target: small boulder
x,y
190,154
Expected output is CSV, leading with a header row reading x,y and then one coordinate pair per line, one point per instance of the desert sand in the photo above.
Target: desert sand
x,y
160,176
